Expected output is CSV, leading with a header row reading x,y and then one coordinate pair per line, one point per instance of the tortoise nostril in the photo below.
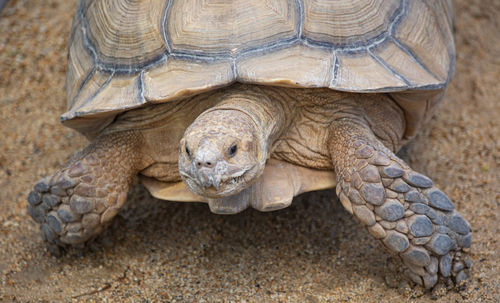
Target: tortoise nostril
x,y
208,164
206,158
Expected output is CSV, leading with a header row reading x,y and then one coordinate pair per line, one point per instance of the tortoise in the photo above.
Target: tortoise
x,y
250,103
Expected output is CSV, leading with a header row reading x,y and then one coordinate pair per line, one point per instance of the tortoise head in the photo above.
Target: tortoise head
x,y
221,153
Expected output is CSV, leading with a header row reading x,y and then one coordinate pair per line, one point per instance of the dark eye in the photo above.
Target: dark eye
x,y
187,151
232,150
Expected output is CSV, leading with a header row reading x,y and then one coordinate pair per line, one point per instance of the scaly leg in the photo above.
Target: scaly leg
x,y
400,207
78,201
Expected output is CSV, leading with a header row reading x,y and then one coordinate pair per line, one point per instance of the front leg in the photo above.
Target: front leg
x,y
76,203
400,207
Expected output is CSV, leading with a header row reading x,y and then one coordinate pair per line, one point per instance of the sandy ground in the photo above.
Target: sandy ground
x,y
164,251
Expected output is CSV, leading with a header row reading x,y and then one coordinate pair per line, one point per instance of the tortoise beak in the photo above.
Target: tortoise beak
x,y
207,178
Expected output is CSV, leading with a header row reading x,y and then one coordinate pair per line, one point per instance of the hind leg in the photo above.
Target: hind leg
x,y
77,202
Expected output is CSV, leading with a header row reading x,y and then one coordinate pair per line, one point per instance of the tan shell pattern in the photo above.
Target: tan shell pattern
x,y
127,53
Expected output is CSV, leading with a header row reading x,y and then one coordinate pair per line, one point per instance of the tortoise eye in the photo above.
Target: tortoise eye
x,y
232,150
188,153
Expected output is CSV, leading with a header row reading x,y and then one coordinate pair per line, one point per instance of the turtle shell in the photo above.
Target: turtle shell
x,y
125,54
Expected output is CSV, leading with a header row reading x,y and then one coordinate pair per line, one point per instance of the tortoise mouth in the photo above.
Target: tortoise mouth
x,y
228,186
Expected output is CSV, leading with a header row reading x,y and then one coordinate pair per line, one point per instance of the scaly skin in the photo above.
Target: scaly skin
x,y
400,207
79,200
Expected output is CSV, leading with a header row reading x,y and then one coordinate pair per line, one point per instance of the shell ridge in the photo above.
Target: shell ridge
x,y
388,67
273,46
269,47
234,69
300,13
451,48
86,41
140,84
197,57
103,86
334,67
451,71
83,25
403,11
164,34
82,85
411,54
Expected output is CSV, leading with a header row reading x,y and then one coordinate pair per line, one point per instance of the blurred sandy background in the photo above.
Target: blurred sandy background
x,y
164,251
